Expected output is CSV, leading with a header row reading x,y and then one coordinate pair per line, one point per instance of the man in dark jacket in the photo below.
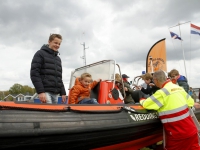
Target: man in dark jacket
x,y
128,99
46,71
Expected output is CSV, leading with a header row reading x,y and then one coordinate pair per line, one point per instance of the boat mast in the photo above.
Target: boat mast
x,y
84,56
84,53
182,44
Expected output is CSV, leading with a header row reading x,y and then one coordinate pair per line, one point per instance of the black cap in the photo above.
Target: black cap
x,y
125,76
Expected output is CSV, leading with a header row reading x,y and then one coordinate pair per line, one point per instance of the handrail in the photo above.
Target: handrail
x,y
33,97
121,82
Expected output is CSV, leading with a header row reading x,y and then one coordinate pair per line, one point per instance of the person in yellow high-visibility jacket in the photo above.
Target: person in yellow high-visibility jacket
x,y
172,104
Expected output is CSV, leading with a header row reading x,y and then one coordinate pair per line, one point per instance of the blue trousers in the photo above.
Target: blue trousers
x,y
88,101
51,98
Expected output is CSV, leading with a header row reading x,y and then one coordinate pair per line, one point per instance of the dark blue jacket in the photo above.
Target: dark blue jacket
x,y
182,81
46,71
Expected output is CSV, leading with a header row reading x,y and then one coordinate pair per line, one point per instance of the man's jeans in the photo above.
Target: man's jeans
x,y
88,101
52,98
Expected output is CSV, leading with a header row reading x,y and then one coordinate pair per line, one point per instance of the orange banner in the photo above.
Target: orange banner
x,y
156,57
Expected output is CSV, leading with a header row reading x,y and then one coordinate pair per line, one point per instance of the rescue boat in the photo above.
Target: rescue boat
x,y
39,126
111,124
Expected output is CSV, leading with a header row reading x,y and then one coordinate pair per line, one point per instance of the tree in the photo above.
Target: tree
x,y
3,94
28,90
16,89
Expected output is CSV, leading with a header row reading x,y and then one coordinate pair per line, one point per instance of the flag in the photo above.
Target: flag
x,y
195,29
175,36
156,57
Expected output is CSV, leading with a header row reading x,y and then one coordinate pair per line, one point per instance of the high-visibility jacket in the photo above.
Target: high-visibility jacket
x,y
172,104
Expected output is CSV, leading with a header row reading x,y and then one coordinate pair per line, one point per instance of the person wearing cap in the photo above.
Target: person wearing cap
x,y
125,78
128,99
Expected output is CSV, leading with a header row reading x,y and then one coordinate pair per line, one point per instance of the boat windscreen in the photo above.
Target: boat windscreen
x,y
104,70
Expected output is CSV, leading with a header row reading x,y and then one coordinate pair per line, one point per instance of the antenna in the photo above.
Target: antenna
x,y
182,44
84,55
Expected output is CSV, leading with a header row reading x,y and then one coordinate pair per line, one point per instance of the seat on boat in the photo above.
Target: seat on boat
x,y
94,93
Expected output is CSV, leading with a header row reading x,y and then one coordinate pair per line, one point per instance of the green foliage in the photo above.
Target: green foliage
x,y
3,94
18,88
28,90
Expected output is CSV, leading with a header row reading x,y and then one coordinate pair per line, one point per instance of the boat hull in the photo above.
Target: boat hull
x,y
75,127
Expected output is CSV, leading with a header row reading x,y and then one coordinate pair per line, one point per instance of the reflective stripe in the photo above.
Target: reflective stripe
x,y
141,102
168,112
188,96
176,118
165,91
156,101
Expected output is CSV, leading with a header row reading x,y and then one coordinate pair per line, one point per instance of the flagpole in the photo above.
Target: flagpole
x,y
189,80
182,44
175,49
183,51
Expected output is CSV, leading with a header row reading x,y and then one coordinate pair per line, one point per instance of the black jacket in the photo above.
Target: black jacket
x,y
46,71
128,99
150,89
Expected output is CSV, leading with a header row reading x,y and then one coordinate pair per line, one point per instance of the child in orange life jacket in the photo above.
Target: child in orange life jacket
x,y
80,92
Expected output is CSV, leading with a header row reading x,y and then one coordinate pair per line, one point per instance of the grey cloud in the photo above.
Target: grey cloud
x,y
129,29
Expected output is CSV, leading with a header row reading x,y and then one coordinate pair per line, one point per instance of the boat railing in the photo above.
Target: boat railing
x,y
33,97
124,93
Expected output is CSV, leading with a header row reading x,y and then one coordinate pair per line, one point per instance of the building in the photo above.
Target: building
x,y
17,97
27,98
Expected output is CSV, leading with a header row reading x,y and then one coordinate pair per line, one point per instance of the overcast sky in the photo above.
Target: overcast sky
x,y
123,30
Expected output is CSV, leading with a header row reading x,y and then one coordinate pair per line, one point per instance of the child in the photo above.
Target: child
x,y
181,80
151,87
80,92
190,92
46,71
